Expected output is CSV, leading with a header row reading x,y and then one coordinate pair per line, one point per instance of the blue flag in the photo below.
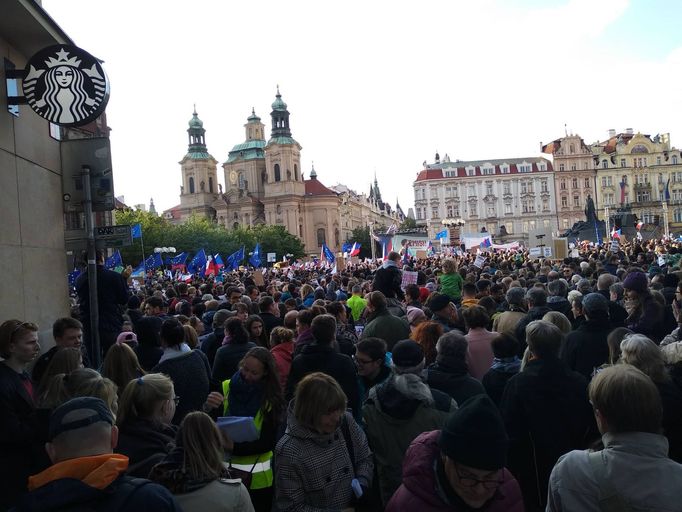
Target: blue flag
x,y
329,256
180,259
73,276
139,271
218,261
136,231
234,259
198,263
346,247
667,190
442,234
255,257
113,261
153,261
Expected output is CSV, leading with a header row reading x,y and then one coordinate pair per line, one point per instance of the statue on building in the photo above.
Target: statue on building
x,y
590,211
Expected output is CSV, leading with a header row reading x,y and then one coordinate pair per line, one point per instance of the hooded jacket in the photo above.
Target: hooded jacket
x,y
452,377
420,489
313,471
396,412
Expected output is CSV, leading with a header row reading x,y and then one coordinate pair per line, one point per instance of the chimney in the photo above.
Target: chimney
x,y
628,131
612,133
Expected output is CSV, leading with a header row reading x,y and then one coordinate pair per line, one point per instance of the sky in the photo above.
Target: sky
x,y
375,86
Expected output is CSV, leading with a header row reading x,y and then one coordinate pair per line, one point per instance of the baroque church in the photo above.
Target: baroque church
x,y
264,184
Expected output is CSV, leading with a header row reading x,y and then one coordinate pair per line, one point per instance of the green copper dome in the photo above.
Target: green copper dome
x,y
253,116
195,122
278,104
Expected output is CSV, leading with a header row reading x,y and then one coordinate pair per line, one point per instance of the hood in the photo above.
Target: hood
x,y
97,472
553,299
399,396
418,469
314,348
155,437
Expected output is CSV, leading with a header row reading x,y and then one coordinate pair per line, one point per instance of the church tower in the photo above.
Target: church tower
x,y
284,185
199,173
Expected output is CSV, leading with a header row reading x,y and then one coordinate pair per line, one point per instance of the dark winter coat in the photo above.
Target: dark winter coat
x,y
145,443
388,280
112,293
227,359
585,348
421,490
547,413
534,313
211,343
323,358
617,313
648,319
388,327
453,379
270,321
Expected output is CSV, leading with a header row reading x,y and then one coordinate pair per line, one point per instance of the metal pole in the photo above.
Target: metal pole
x,y
94,347
372,242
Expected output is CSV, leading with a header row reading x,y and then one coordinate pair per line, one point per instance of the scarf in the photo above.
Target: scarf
x,y
507,364
244,399
172,352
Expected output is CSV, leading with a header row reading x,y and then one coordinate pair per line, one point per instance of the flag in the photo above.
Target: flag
x,y
136,231
255,259
211,268
139,271
198,263
113,261
486,243
667,190
386,246
234,259
615,233
639,225
178,262
442,234
430,250
327,254
218,261
392,229
345,248
355,250
73,276
622,191
406,255
153,261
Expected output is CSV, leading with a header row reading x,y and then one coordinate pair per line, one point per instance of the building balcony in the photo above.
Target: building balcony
x,y
642,186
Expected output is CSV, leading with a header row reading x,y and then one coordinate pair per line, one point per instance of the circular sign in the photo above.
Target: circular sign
x,y
233,177
66,85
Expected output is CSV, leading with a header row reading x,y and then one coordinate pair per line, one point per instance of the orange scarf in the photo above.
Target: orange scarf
x,y
97,471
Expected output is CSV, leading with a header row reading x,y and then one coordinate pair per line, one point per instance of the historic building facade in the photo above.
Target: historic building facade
x,y
514,196
574,178
633,172
264,184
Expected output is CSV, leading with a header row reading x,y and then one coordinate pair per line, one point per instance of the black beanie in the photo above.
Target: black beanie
x,y
474,435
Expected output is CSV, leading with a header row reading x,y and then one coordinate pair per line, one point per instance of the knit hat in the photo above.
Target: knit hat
x,y
595,304
474,435
439,303
636,281
414,314
78,413
407,353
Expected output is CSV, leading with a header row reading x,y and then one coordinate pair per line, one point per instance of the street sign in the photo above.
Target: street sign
x,y
96,154
113,236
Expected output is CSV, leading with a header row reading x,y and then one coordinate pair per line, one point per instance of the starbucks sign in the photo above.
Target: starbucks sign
x,y
66,85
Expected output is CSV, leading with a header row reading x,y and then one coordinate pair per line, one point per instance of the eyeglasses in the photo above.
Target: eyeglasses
x,y
363,362
468,480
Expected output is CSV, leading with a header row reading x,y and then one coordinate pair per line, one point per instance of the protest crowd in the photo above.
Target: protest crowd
x,y
502,382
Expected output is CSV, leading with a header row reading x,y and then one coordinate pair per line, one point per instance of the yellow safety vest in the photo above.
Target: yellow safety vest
x,y
260,465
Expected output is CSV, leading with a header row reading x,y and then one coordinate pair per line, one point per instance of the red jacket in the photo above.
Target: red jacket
x,y
418,490
283,354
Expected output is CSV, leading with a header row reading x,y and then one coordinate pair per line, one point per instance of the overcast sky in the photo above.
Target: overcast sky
x,y
375,86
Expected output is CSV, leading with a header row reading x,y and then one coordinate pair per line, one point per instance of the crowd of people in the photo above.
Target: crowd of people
x,y
519,384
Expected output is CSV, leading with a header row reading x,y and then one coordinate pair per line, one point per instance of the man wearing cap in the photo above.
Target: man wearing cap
x,y
382,324
444,313
461,467
398,410
86,474
586,348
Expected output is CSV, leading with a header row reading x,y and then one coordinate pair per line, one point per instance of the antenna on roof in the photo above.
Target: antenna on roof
x,y
565,130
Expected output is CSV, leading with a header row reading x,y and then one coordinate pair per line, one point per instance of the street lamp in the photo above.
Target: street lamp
x,y
666,229
455,222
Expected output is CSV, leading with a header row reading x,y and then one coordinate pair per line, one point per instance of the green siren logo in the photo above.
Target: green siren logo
x,y
66,85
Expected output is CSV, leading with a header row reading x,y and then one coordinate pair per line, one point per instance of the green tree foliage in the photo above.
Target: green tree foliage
x,y
199,232
408,223
361,236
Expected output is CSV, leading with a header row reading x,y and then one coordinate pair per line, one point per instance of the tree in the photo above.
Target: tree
x,y
408,223
361,236
154,233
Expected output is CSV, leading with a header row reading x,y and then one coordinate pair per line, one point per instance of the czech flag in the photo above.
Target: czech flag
x,y
355,250
615,234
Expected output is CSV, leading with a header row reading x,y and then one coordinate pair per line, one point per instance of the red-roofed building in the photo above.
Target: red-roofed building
x,y
514,196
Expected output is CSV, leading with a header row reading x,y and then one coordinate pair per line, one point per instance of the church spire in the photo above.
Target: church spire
x,y
197,134
280,118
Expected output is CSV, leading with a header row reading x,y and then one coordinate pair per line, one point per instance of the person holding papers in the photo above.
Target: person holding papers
x,y
253,391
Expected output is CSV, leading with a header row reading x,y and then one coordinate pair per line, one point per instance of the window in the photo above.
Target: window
x,y
296,173
575,183
545,223
674,159
564,223
643,196
562,167
573,167
191,185
242,181
545,205
472,190
321,238
278,174
586,166
531,225
12,86
336,237
489,189
564,201
525,168
524,187
450,214
542,167
507,209
622,162
504,169
543,186
603,181
609,181
488,170
471,172
587,182
525,227
571,148
677,215
450,174
604,164
434,213
576,200
491,211
507,187
210,184
563,185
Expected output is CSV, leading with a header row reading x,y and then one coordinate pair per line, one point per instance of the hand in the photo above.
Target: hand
x,y
213,401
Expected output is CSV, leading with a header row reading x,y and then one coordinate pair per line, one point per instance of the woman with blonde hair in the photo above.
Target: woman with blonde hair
x,y
642,353
307,295
121,365
323,450
195,473
451,281
558,319
146,435
191,337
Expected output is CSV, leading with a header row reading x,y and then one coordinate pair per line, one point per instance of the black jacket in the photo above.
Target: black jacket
x,y
585,348
494,382
617,313
561,305
112,293
19,436
534,313
145,444
323,358
546,413
270,321
388,280
454,380
211,343
227,360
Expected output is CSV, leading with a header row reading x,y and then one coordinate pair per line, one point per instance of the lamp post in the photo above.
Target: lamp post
x,y
666,230
163,250
607,219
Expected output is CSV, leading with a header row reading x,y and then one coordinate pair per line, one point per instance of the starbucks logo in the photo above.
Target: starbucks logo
x,y
66,85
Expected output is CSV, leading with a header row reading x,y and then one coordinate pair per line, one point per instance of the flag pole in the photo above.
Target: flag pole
x,y
142,246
